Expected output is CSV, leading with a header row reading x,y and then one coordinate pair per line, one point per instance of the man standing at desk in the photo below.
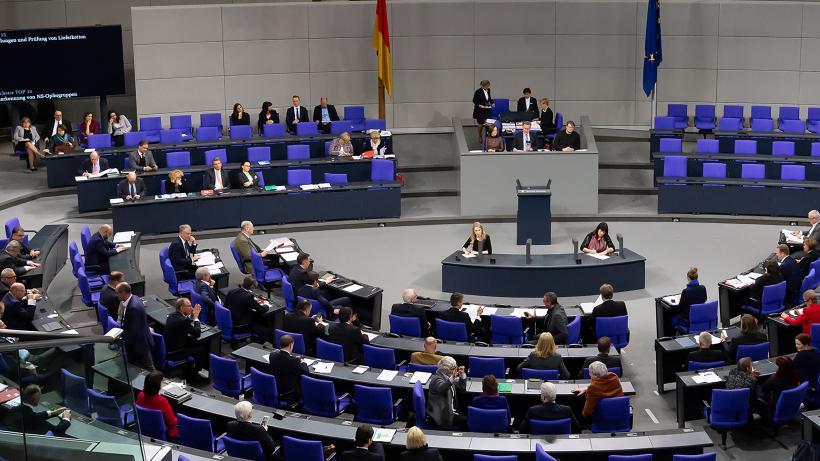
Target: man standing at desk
x,y
243,244
182,253
19,235
555,321
323,114
567,140
526,140
136,333
10,259
182,329
131,188
20,308
409,308
454,314
100,249
299,321
295,114
142,159
216,178
608,308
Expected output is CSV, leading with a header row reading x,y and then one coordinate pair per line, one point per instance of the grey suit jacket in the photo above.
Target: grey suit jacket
x,y
809,234
133,159
440,398
243,246
557,325
19,134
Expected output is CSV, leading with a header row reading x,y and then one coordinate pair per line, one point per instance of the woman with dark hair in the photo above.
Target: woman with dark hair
x,y
785,378
150,398
239,116
118,125
247,178
61,142
494,142
489,398
807,359
267,116
810,254
25,140
598,241
88,126
482,105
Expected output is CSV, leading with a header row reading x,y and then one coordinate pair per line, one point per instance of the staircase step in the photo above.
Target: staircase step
x,y
430,183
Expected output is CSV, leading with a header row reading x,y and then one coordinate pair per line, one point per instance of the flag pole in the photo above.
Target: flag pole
x,y
654,110
381,100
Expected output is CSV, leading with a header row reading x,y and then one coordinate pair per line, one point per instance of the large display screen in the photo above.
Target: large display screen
x,y
61,63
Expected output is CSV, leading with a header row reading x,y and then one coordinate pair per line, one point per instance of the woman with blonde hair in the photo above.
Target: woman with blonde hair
x,y
417,449
25,140
176,183
341,146
544,357
478,235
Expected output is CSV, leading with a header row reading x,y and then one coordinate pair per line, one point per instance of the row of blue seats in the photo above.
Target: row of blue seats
x,y
675,166
742,147
677,118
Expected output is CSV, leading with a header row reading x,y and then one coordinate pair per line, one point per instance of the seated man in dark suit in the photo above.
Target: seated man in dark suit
x,y
409,308
527,103
182,253
10,259
20,308
608,308
7,278
366,449
299,321
311,290
295,114
182,329
454,314
548,410
323,114
243,429
604,348
288,370
790,270
19,234
247,309
526,140
298,274
348,335
204,287
100,249
34,421
131,188
108,295
136,332
216,178
567,140
93,164
705,353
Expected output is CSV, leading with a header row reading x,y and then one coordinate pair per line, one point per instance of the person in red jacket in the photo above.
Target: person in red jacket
x,y
150,398
810,315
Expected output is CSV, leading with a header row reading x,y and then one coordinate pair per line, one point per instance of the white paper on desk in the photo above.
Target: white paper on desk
x,y
289,257
588,307
69,332
51,316
467,255
115,201
370,336
278,243
323,185
472,310
352,288
360,369
323,367
745,280
754,275
126,245
791,238
673,300
309,186
383,435
81,178
476,151
89,150
266,358
520,311
387,375
706,377
281,250
580,150
356,157
735,283
598,256
420,376
123,237
308,361
206,258
214,269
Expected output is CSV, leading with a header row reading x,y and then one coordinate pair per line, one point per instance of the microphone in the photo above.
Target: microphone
x,y
620,245
575,251
549,183
529,251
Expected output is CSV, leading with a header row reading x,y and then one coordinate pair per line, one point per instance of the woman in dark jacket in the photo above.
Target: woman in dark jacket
x,y
267,116
544,357
785,378
810,255
482,106
417,449
239,116
598,241
693,293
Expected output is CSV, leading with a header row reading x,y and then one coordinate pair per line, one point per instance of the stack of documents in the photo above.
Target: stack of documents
x,y
383,435
387,375
472,310
706,377
214,269
281,242
309,186
123,237
791,238
420,376
206,258
598,256
352,288
290,256
360,369
538,312
323,367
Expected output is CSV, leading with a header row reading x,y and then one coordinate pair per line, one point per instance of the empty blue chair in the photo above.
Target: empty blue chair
x,y
792,126
263,274
793,172
753,171
375,124
616,328
225,323
97,141
226,377
712,456
210,155
207,133
478,367
107,410
730,124
355,115
382,170
327,148
644,457
506,329
772,301
298,152
783,148
405,326
707,146
679,113
288,294
761,112
612,415
414,367
501,105
320,399
273,130
745,147
241,132
733,111
265,389
340,126
788,405
75,392
674,166
184,124
151,423
728,410
492,421
762,124
326,350
197,433
544,375
697,366
574,331
419,403
303,450
755,352
541,454
210,120
306,129
702,317
664,123
451,331
298,340
705,117
133,138
250,449
714,170
379,357
336,178
374,405
616,370
178,159
259,154
673,145
170,136
554,427
160,355
788,113
299,177
813,120
169,276
150,127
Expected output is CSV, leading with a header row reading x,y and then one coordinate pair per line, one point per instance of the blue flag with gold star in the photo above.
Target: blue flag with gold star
x,y
652,46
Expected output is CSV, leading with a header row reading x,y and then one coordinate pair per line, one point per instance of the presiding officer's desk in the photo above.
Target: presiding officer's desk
x,y
158,311
95,193
506,275
339,202
672,354
52,242
62,168
219,410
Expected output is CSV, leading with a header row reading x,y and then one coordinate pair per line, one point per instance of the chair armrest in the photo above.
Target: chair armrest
x,y
29,231
506,371
526,330
706,405
343,396
402,363
396,406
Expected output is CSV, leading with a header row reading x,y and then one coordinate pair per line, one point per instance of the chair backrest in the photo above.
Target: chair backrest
x,y
207,133
419,404
478,457
677,111
761,112
714,170
302,450
541,454
245,449
106,408
169,276
340,126
382,170
809,282
695,366
501,105
133,138
730,124
288,294
170,136
273,130
256,154
75,392
336,178
746,146
379,357
210,155
813,114
407,326
704,112
210,120
733,111
151,423
611,415
673,145
703,317
783,148
299,177
102,312
354,113
326,350
616,328
482,420
225,375
544,375
375,124
664,123
451,331
224,321
506,329
237,258
707,146
753,171
793,172
762,124
773,296
374,405
557,426
306,129
753,351
792,126
414,367
159,351
643,457
148,124
585,372
788,404
319,397
178,159
182,122
204,316
712,456
241,132
265,389
96,141
10,225
574,331
298,152
195,433
298,340
85,288
674,166
729,407
478,367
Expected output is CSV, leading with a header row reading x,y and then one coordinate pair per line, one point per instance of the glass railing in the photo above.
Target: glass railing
x,y
55,406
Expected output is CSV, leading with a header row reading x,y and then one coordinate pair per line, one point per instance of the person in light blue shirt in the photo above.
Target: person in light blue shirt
x,y
323,114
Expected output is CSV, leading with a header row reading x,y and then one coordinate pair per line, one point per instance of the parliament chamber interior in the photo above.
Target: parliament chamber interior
x,y
415,230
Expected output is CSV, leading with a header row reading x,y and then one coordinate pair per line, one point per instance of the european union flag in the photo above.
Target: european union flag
x,y
652,46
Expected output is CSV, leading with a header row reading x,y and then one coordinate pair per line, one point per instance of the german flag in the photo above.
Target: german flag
x,y
381,43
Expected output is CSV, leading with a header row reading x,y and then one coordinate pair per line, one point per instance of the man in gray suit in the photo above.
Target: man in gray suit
x,y
812,233
142,159
442,397
243,245
555,321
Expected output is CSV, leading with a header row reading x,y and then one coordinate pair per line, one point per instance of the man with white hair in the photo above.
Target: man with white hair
x,y
243,244
409,308
442,396
604,384
131,188
11,259
182,253
814,230
705,353
548,410
243,429
20,308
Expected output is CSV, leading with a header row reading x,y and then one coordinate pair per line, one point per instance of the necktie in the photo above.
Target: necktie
x,y
218,176
526,141
185,246
296,113
95,168
133,190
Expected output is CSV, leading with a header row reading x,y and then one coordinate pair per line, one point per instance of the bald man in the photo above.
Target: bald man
x,y
93,164
100,248
132,187
409,308
20,308
7,277
428,356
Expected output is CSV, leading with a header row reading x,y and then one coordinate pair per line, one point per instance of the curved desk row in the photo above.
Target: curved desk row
x,y
220,409
227,210
62,168
95,193
734,162
505,275
52,241
726,139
